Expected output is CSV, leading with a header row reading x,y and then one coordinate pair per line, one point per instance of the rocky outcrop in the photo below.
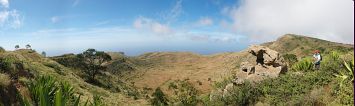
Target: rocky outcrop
x,y
266,56
268,64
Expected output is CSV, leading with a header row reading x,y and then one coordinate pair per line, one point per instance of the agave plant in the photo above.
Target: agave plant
x,y
334,55
42,90
347,75
303,65
97,101
46,91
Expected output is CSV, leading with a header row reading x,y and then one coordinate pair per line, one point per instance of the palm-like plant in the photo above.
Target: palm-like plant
x,y
347,75
303,65
42,90
334,55
46,91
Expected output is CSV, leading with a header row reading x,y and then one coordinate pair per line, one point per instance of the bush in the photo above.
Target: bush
x,y
97,101
185,93
4,80
223,83
12,66
291,88
287,89
290,59
334,56
305,64
56,67
46,91
70,60
343,89
159,98
242,95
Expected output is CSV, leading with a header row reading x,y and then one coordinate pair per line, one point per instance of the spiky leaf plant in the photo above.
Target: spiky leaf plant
x,y
305,64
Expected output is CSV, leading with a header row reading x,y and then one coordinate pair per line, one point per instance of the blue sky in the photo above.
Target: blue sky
x,y
139,26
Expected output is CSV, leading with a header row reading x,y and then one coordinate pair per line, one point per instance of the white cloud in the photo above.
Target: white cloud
x,y
4,16
153,26
55,19
205,21
4,3
160,28
267,19
140,22
174,13
10,19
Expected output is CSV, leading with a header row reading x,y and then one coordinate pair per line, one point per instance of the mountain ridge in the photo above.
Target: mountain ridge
x,y
198,68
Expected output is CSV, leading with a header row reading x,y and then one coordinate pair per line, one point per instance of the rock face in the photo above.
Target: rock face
x,y
269,64
266,56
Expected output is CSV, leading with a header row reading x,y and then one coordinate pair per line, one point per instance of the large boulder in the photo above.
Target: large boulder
x,y
266,56
269,64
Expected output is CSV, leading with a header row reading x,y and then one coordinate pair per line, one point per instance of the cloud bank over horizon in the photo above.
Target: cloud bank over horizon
x,y
331,20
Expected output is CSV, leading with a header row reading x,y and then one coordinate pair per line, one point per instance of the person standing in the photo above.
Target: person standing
x,y
317,59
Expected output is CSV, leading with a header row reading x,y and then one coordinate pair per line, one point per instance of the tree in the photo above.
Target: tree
x,y
17,47
28,46
94,61
44,54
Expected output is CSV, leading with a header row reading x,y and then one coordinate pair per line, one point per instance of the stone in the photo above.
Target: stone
x,y
266,56
247,67
269,64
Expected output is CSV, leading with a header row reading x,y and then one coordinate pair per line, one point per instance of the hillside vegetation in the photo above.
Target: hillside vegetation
x,y
22,67
177,78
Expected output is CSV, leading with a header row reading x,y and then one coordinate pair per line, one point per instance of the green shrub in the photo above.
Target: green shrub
x,y
4,80
159,98
46,91
343,89
289,89
223,83
70,60
290,59
11,65
185,93
305,65
97,101
243,95
334,56
346,75
344,94
56,67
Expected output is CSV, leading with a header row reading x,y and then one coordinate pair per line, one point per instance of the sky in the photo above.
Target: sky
x,y
139,26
